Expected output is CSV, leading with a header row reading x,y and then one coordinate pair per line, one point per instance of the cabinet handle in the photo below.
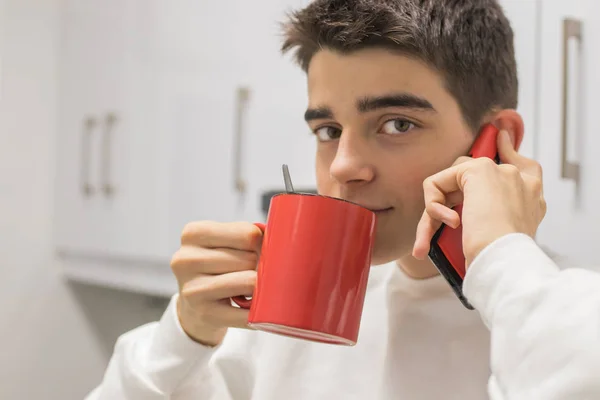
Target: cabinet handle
x,y
243,94
109,123
88,128
571,29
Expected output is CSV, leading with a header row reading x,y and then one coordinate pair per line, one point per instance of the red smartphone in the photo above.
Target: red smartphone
x,y
446,251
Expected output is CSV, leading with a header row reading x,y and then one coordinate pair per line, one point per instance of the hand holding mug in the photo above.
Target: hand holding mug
x,y
216,261
497,200
312,265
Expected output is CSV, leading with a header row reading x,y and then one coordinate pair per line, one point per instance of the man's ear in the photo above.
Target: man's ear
x,y
512,122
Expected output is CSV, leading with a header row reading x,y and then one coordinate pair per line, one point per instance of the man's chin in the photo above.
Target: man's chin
x,y
386,256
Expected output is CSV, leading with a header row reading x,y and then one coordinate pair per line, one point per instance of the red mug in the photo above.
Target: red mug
x,y
313,269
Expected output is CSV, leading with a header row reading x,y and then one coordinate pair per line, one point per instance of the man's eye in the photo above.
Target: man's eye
x,y
397,126
328,133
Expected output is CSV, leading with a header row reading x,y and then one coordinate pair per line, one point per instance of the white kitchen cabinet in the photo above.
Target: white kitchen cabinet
x,y
205,100
106,190
568,134
161,91
90,128
2,5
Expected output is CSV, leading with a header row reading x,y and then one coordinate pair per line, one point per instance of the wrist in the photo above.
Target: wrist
x,y
203,336
484,241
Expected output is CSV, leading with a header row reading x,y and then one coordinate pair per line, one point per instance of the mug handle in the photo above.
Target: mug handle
x,y
242,301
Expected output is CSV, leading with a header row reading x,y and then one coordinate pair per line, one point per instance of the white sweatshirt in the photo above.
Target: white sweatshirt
x,y
416,342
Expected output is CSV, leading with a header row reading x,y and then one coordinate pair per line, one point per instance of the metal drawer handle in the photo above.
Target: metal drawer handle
x,y
571,29
243,95
89,124
107,187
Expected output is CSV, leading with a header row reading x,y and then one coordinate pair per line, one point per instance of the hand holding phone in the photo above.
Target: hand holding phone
x,y
502,193
446,250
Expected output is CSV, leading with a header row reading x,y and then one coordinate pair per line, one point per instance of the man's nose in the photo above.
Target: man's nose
x,y
352,162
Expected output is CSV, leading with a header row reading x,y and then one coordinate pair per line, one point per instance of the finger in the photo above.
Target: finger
x,y
508,155
443,188
193,260
507,152
461,160
426,228
441,213
534,184
226,315
444,182
234,235
454,198
430,222
209,287
531,168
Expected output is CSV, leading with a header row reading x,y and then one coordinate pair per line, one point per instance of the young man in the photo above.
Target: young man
x,y
398,90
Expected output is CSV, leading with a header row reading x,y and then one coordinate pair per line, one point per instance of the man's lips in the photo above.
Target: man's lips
x,y
375,209
380,210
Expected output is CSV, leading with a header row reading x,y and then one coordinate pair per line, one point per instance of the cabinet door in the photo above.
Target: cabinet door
x,y
163,95
106,179
2,12
78,194
129,147
205,179
201,106
568,128
524,19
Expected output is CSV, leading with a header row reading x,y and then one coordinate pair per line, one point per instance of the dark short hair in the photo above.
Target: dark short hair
x,y
469,42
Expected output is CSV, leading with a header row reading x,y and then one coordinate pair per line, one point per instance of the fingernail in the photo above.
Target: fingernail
x,y
415,253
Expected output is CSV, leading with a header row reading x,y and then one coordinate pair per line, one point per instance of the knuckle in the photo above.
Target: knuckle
x,y
462,159
183,260
543,206
511,170
198,288
188,293
178,262
485,162
428,183
175,262
248,281
251,235
537,185
250,259
195,231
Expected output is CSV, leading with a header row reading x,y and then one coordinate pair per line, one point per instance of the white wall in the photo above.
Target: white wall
x,y
55,337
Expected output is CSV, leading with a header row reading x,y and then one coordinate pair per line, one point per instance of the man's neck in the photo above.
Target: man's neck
x,y
417,269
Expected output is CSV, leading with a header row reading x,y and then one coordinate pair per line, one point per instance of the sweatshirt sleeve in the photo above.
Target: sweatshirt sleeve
x,y
154,361
544,322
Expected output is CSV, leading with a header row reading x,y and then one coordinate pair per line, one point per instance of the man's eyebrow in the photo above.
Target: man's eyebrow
x,y
400,100
318,113
365,104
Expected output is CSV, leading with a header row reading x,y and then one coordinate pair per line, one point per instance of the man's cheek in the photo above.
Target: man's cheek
x,y
323,177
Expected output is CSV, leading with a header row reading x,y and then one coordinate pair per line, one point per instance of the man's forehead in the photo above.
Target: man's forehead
x,y
370,79
369,72
347,79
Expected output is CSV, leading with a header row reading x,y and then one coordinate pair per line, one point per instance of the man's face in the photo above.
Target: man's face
x,y
384,122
